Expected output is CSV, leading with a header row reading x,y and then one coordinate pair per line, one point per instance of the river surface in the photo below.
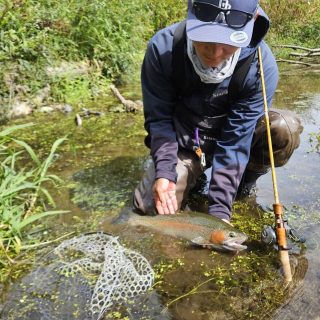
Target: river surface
x,y
196,284
299,188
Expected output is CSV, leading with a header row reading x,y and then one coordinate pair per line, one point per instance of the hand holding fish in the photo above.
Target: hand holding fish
x,y
164,194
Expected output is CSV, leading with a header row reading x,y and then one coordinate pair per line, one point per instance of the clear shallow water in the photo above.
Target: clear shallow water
x,y
299,191
238,287
304,301
298,180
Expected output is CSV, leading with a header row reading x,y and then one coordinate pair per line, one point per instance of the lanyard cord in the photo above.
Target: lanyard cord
x,y
196,134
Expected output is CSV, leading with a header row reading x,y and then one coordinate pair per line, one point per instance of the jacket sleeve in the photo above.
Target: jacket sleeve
x,y
233,149
159,101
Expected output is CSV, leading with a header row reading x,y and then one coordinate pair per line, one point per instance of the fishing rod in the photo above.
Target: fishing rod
x,y
280,228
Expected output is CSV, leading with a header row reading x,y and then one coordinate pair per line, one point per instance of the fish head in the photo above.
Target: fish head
x,y
223,240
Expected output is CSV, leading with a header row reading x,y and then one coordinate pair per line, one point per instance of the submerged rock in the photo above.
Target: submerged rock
x,y
46,109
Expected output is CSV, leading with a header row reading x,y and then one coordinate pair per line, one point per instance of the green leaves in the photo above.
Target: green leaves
x,y
35,35
4,135
42,33
36,217
294,21
22,190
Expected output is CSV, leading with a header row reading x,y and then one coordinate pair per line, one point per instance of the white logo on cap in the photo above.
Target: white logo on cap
x,y
239,37
224,4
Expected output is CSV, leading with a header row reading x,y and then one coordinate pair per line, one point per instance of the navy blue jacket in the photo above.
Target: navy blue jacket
x,y
229,140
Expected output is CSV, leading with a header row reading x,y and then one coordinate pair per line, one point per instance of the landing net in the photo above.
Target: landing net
x,y
86,277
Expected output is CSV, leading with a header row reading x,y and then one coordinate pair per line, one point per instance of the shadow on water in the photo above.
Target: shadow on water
x,y
196,284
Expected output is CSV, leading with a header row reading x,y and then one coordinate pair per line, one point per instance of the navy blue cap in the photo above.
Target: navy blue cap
x,y
220,32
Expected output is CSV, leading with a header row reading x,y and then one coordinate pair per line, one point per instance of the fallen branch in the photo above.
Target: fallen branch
x,y
299,62
130,106
86,114
298,71
302,55
298,48
117,94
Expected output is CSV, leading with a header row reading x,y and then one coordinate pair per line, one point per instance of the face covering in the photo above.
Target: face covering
x,y
212,75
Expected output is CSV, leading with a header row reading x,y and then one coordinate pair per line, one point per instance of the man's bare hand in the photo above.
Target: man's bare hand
x,y
164,194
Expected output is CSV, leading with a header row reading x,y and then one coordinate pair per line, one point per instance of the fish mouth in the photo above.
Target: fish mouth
x,y
234,244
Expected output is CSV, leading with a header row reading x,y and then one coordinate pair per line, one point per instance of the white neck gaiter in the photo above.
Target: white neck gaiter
x,y
212,75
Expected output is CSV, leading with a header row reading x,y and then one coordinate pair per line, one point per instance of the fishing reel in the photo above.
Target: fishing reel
x,y
269,237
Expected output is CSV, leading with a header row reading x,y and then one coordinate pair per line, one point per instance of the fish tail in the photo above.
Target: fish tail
x,y
123,217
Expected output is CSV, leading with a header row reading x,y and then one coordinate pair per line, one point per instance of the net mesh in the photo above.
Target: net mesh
x,y
86,277
123,273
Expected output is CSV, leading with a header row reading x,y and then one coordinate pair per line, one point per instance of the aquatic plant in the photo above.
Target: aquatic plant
x,y
314,139
23,188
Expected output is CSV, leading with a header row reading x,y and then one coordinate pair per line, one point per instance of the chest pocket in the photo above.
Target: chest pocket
x,y
209,128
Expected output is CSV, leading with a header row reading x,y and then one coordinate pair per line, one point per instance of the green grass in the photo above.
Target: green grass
x,y
110,36
23,193
294,22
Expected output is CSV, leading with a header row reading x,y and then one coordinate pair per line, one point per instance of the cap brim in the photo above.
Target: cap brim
x,y
217,32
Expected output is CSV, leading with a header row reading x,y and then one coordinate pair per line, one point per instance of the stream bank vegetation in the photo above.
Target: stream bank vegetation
x,y
56,52
24,196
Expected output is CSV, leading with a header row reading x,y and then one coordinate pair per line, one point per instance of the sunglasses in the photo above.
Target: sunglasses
x,y
208,12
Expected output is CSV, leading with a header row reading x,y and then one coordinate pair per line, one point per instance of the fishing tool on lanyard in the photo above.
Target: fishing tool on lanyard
x,y
280,229
198,151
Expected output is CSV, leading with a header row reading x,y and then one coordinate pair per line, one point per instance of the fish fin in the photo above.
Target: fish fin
x,y
199,241
123,216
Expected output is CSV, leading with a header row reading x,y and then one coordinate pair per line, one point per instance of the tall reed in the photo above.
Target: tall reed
x,y
23,192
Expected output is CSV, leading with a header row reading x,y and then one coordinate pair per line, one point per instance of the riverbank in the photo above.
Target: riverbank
x,y
59,53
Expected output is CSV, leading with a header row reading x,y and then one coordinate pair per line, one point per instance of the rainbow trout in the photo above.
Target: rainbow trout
x,y
198,228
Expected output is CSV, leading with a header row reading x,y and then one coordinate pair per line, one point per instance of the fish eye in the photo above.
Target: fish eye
x,y
232,234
